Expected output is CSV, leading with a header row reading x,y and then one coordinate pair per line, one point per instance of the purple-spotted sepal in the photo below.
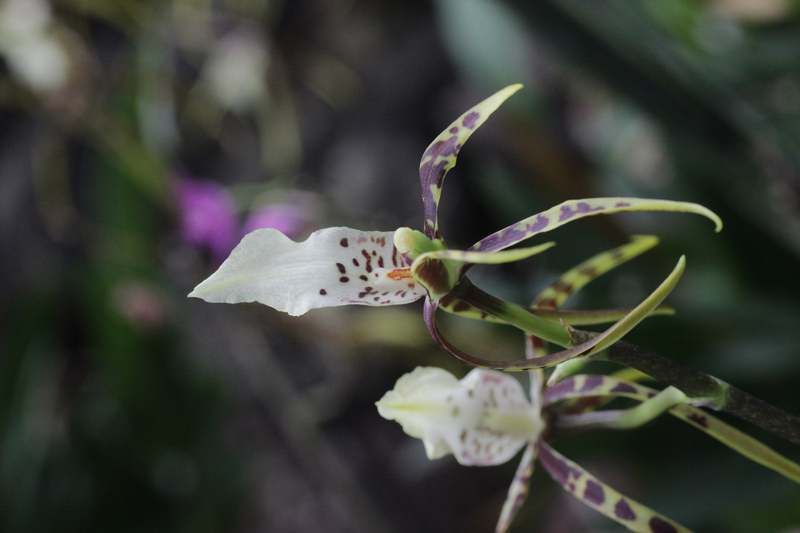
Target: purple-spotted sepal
x,y
602,498
441,155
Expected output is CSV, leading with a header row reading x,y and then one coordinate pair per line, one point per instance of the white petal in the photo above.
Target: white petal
x,y
334,266
484,419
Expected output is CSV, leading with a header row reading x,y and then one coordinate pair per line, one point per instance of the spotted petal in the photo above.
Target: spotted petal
x,y
602,498
334,266
484,419
441,155
575,209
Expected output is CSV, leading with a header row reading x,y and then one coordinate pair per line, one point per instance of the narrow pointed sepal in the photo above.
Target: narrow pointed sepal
x,y
518,490
558,292
334,266
482,419
572,210
602,498
441,155
605,388
491,258
585,349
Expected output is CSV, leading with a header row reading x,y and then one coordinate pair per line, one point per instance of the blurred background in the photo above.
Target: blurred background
x,y
140,140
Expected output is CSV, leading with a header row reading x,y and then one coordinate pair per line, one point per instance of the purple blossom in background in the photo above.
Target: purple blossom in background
x,y
289,219
208,218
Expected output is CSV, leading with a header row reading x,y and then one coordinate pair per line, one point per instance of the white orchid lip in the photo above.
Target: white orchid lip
x,y
483,419
333,267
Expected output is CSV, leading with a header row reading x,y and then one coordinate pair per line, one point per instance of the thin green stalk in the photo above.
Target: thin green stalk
x,y
513,314
702,389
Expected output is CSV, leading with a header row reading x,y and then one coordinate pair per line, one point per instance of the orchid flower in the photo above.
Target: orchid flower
x,y
485,419
343,266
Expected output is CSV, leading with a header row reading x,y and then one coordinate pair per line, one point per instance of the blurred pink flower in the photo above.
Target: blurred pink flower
x,y
289,219
207,214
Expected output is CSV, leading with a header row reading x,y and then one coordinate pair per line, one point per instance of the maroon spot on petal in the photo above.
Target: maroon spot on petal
x,y
623,510
369,260
657,525
446,300
562,286
434,275
380,262
377,298
470,120
622,204
344,279
355,261
548,303
323,292
591,383
381,241
594,493
362,277
571,487
651,394
698,419
341,268
394,256
624,388
344,243
453,130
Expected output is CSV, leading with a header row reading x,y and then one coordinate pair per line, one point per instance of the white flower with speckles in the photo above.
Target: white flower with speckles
x,y
483,419
334,266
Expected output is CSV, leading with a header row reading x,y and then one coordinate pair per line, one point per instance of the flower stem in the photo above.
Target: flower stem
x,y
513,314
702,389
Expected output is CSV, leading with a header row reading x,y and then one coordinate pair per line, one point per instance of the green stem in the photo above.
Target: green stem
x,y
702,389
513,314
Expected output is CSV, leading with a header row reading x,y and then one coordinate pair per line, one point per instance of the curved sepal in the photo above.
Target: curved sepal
x,y
602,498
592,386
585,349
490,258
518,490
441,155
334,266
558,292
483,419
575,209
